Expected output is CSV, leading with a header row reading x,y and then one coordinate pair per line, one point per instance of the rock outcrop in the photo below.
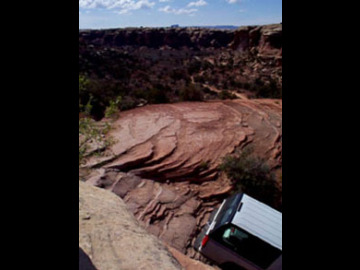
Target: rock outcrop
x,y
164,160
158,37
110,238
186,141
266,39
190,264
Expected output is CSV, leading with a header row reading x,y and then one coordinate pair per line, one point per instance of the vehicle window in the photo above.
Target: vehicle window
x,y
235,238
227,210
248,246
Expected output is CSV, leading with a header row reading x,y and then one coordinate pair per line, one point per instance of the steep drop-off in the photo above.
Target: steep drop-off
x,y
167,65
164,160
112,238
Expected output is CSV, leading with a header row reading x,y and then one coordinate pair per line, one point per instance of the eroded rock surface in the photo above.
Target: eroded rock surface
x,y
110,238
164,160
174,212
186,141
190,264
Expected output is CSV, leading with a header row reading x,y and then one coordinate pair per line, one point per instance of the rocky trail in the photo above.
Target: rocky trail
x,y
218,91
164,159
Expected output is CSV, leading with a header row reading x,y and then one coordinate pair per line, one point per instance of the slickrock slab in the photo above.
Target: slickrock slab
x,y
174,211
186,141
113,239
164,162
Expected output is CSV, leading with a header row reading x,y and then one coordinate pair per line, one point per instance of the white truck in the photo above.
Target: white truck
x,y
243,233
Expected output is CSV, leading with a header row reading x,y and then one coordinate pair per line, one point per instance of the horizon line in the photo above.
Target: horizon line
x,y
179,26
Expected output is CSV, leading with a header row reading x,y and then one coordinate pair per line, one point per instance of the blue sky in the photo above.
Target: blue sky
x,y
156,13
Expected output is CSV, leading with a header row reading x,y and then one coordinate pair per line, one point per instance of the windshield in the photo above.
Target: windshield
x,y
228,210
247,246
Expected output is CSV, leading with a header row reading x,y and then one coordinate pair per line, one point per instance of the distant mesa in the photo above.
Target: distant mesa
x,y
266,39
224,27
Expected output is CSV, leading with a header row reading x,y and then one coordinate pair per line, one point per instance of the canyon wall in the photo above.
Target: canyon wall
x,y
265,39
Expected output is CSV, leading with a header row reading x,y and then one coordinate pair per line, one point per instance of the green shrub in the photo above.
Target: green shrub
x,y
207,65
194,67
270,90
83,95
179,74
252,175
87,108
91,132
83,83
224,94
127,103
140,93
155,96
113,107
191,93
199,79
204,165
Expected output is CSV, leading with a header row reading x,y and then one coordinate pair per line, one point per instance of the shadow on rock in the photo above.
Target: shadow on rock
x,y
84,261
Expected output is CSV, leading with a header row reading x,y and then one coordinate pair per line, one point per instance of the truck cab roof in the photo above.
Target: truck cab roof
x,y
259,219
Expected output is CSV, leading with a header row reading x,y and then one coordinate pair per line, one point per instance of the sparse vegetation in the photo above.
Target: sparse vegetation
x,y
91,138
149,75
83,83
265,89
224,94
192,93
252,175
204,165
113,107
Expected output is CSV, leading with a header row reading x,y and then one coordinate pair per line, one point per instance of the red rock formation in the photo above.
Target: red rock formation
x,y
266,37
164,160
189,264
186,141
263,41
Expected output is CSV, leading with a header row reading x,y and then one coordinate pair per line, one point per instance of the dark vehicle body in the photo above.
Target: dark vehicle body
x,y
243,233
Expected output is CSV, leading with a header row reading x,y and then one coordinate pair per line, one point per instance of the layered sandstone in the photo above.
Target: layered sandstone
x,y
164,160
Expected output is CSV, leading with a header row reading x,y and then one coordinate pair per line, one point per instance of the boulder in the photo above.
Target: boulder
x,y
110,238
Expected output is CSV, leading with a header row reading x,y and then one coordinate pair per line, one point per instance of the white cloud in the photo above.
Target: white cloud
x,y
233,1
198,3
163,1
179,11
122,5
